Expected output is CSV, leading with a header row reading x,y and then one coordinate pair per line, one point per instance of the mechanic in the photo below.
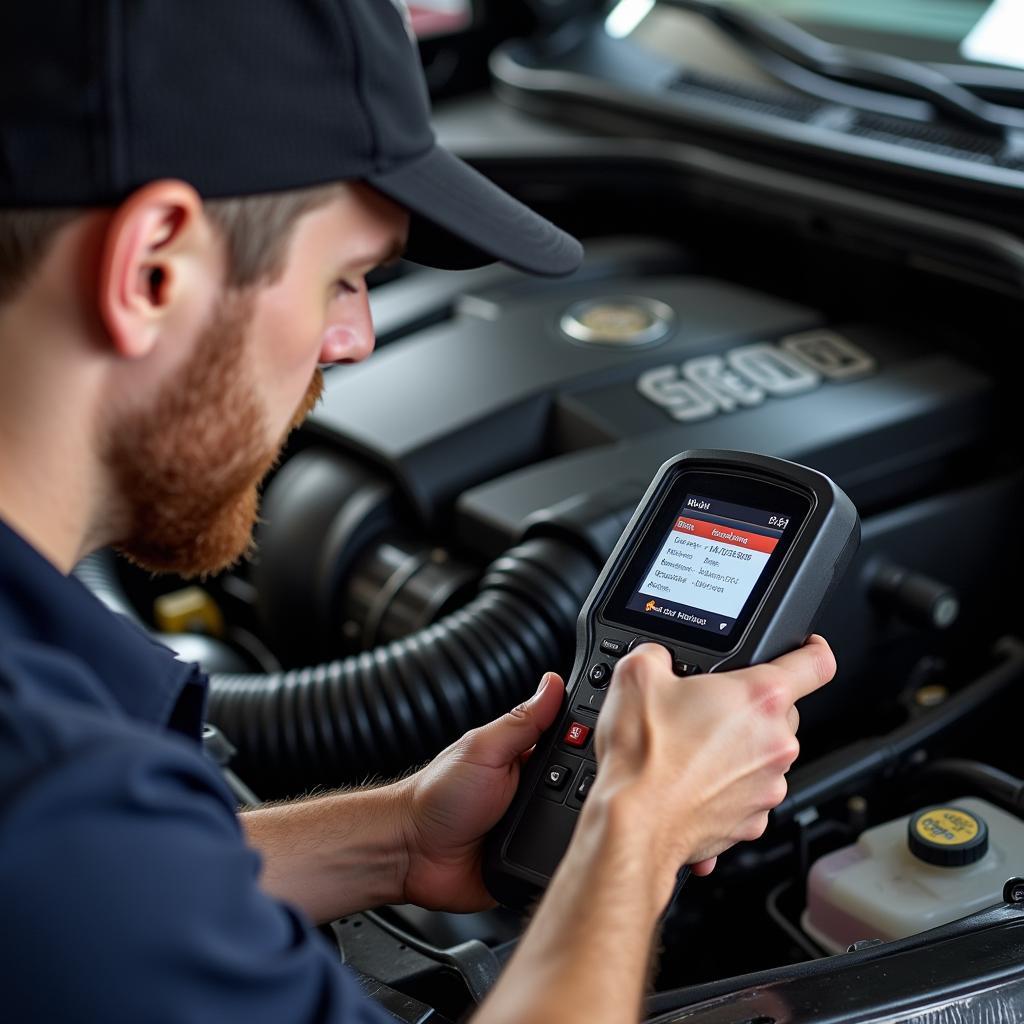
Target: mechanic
x,y
191,195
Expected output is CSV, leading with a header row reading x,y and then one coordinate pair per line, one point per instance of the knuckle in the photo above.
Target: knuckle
x,y
628,670
520,713
769,691
470,742
646,654
754,827
637,666
789,750
778,791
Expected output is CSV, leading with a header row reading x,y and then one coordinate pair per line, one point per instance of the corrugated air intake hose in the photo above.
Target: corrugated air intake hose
x,y
379,712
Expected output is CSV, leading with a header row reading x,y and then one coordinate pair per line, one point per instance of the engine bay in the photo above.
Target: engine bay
x,y
433,528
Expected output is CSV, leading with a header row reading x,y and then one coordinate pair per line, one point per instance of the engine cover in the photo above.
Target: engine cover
x,y
525,399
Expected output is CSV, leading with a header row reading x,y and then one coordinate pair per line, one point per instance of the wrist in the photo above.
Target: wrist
x,y
617,827
334,854
371,843
588,947
370,851
408,842
392,803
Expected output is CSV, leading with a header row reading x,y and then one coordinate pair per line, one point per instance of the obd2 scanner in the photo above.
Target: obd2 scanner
x,y
726,562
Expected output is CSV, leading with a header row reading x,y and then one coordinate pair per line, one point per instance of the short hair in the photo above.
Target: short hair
x,y
256,230
25,238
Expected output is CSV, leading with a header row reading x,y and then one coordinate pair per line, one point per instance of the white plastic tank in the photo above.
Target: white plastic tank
x,y
915,873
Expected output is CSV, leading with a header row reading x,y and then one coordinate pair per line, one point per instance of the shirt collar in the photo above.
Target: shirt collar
x,y
39,603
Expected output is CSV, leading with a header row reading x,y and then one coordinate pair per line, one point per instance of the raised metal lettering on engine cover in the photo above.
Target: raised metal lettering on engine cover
x,y
743,377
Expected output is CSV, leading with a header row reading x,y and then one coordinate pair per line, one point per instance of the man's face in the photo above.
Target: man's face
x,y
189,467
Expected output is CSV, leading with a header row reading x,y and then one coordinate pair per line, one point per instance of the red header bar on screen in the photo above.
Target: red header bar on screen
x,y
725,534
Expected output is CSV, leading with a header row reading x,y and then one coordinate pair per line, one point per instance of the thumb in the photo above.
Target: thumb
x,y
502,741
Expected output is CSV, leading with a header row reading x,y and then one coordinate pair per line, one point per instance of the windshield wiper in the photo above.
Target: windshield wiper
x,y
894,75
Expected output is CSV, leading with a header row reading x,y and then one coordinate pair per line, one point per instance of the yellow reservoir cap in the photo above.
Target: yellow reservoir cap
x,y
190,610
949,836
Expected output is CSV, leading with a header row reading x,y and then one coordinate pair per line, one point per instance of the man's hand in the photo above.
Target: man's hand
x,y
686,768
456,799
413,841
705,757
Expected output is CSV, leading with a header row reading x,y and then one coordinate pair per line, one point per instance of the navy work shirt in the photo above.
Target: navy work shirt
x,y
127,892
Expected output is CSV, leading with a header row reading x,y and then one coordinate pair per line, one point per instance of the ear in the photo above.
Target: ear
x,y
156,241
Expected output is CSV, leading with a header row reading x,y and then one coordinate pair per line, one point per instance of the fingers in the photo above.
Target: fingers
x,y
547,701
753,827
649,655
505,739
745,723
793,719
806,669
703,868
802,671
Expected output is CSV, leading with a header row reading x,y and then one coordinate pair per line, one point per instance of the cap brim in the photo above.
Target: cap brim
x,y
460,219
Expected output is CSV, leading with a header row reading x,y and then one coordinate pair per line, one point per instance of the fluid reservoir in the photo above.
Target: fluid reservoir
x,y
914,873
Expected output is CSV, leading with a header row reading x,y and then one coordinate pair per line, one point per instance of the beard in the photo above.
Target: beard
x,y
188,469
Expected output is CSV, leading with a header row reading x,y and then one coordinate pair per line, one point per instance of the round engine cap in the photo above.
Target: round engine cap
x,y
947,836
619,321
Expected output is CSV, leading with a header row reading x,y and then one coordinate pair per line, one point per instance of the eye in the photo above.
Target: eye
x,y
345,287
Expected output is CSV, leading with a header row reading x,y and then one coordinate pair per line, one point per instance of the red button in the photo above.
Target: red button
x,y
576,735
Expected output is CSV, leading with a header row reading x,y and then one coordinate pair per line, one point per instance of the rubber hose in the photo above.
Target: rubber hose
x,y
98,572
877,757
976,778
378,713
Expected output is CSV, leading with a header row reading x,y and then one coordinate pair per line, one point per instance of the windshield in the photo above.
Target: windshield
x,y
944,31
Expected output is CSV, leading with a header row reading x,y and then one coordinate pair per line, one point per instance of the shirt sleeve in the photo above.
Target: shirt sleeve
x,y
129,895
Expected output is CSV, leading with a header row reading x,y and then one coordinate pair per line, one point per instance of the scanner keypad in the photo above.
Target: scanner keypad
x,y
574,775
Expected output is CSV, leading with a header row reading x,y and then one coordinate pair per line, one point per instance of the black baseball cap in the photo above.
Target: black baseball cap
x,y
240,97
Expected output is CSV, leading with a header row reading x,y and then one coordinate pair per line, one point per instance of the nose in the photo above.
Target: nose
x,y
349,337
